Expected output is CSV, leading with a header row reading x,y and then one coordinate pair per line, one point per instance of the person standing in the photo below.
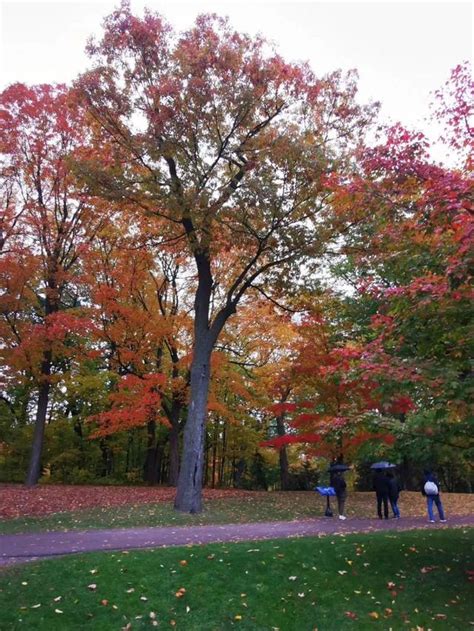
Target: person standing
x,y
381,489
430,490
340,487
393,493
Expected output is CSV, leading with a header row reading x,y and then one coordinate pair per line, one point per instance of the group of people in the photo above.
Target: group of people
x,y
387,490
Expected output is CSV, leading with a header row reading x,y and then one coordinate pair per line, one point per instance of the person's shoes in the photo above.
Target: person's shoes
x,y
342,517
443,521
432,521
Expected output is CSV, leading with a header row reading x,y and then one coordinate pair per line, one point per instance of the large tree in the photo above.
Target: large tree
x,y
230,146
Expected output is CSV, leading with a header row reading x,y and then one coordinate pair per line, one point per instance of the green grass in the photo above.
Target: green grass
x,y
291,585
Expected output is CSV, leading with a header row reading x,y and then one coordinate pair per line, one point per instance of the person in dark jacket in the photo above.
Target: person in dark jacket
x,y
381,489
430,489
393,493
340,486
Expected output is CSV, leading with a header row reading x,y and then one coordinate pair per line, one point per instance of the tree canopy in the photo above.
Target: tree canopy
x,y
205,253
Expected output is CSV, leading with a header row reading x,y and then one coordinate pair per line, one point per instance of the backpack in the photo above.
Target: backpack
x,y
430,488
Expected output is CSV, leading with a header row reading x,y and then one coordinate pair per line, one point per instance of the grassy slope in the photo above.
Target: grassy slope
x,y
260,507
291,585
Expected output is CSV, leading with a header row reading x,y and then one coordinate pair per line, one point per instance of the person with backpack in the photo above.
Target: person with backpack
x,y
393,493
430,490
340,487
381,489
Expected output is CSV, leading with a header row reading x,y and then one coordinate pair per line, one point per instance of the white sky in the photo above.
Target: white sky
x,y
402,50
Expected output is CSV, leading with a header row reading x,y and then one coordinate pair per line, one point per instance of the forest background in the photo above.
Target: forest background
x,y
338,254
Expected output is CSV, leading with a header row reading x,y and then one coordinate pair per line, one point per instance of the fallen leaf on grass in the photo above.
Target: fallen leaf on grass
x,y
351,615
374,615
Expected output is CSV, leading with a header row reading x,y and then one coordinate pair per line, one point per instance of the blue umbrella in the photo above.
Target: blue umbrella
x,y
327,492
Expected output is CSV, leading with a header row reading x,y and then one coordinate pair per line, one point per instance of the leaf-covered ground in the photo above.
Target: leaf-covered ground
x,y
19,501
411,580
72,507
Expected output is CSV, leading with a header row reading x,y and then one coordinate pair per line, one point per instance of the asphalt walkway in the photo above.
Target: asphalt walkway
x,y
31,547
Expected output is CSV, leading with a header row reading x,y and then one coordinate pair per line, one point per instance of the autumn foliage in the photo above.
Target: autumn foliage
x,y
203,255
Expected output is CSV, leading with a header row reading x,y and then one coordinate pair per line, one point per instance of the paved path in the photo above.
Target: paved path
x,y
30,547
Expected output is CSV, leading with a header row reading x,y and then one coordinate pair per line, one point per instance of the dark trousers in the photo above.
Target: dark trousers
x,y
382,498
341,500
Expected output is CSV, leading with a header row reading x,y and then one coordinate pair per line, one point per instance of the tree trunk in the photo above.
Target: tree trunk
x,y
189,492
174,443
223,454
34,468
188,496
150,468
214,452
283,456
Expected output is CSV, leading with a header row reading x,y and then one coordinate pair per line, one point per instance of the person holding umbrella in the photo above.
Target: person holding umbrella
x,y
339,485
381,487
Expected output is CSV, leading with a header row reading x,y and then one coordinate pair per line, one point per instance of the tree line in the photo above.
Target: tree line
x,y
210,275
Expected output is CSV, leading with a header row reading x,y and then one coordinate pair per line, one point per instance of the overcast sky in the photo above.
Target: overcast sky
x,y
402,50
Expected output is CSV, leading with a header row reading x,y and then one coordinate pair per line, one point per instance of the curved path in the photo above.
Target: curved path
x,y
31,547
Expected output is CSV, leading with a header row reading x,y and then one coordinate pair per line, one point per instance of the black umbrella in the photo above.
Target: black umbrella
x,y
383,465
338,467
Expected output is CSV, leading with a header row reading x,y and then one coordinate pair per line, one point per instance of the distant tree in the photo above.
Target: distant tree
x,y
48,224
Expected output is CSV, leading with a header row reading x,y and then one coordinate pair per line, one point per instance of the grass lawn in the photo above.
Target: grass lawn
x,y
409,580
248,507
